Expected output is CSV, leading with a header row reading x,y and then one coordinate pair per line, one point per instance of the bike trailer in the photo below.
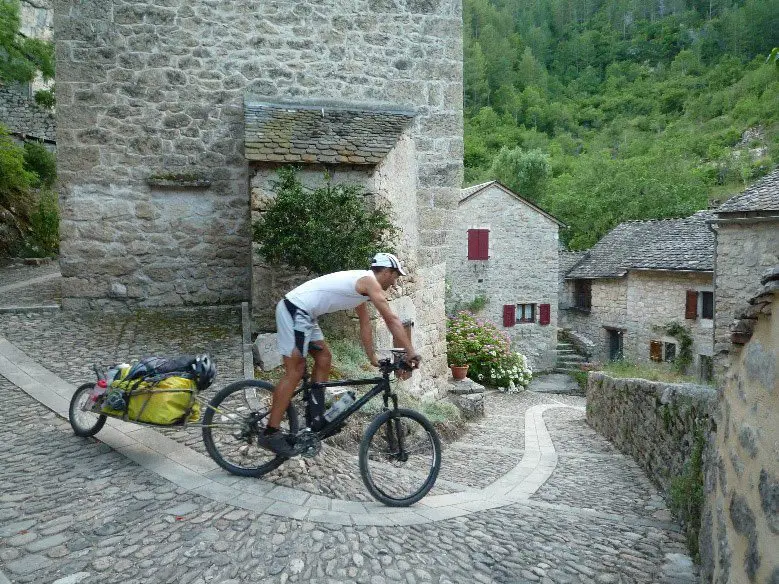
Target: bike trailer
x,y
159,391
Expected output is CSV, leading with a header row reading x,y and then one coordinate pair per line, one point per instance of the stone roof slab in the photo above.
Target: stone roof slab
x,y
324,133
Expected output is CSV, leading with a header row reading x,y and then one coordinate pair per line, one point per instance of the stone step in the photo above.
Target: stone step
x,y
566,352
572,360
564,345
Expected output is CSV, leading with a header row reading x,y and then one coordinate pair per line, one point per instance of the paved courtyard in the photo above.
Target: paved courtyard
x,y
527,494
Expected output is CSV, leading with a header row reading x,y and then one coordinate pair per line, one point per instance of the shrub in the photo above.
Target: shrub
x,y
487,352
41,162
323,230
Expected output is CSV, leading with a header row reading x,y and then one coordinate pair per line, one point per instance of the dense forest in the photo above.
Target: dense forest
x,y
602,111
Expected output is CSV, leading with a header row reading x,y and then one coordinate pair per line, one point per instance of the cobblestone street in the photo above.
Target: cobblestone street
x,y
529,493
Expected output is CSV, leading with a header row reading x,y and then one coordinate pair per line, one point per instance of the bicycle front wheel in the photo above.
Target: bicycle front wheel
x,y
234,418
400,456
84,421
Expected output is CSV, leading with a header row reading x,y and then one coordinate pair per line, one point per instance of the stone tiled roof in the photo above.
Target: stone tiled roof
x,y
762,195
667,244
469,192
325,134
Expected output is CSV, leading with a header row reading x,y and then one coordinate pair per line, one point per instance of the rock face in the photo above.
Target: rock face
x,y
156,189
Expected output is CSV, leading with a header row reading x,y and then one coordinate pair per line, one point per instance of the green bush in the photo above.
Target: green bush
x,y
45,98
327,229
686,496
487,352
45,225
42,163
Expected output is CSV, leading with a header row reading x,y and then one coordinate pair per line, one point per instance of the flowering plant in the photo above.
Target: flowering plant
x,y
487,350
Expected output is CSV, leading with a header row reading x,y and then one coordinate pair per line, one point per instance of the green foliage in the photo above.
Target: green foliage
x,y
682,334
478,303
581,378
43,239
610,92
524,172
327,229
21,58
686,495
40,162
45,98
649,371
487,351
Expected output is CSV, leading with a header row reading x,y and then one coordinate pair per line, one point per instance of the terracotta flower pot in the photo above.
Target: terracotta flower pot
x,y
459,372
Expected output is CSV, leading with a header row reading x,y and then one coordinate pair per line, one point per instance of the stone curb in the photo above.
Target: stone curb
x,y
199,474
3,579
246,333
30,282
33,308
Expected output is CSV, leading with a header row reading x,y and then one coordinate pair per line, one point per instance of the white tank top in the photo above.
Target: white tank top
x,y
330,293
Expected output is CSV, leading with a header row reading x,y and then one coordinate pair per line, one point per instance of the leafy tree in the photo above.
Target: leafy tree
x,y
21,58
524,172
322,230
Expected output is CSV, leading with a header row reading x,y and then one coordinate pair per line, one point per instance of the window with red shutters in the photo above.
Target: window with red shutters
x,y
691,305
509,314
544,314
478,244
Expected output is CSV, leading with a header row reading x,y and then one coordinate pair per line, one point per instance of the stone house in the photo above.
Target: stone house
x,y
623,293
164,122
505,249
747,244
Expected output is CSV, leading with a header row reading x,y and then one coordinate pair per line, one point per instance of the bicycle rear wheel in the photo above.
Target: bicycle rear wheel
x,y
400,456
84,422
234,418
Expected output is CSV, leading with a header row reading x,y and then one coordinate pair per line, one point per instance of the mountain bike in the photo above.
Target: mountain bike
x,y
399,454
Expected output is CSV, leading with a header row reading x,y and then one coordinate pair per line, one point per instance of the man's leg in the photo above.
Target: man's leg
x,y
295,367
323,358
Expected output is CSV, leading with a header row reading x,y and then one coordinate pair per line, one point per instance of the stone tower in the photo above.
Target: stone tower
x,y
155,166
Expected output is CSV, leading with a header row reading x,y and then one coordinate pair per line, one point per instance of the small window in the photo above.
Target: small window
x,y
707,305
669,351
526,312
478,244
583,295
655,351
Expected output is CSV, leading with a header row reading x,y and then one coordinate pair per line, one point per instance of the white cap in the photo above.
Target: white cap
x,y
387,260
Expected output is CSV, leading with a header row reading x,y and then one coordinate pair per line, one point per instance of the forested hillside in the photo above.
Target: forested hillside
x,y
603,111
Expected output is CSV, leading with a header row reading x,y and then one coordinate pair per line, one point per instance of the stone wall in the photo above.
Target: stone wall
x,y
744,250
740,533
522,268
657,298
145,89
609,309
21,115
656,423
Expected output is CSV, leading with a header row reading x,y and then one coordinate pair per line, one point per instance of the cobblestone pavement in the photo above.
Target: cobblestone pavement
x,y
76,510
25,286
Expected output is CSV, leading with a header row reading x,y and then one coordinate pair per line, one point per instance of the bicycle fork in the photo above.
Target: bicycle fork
x,y
394,432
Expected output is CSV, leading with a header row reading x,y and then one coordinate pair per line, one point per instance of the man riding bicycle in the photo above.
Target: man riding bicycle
x,y
298,332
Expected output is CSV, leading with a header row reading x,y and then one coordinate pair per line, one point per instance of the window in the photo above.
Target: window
x,y
655,351
706,368
669,352
526,312
583,294
707,305
544,314
478,244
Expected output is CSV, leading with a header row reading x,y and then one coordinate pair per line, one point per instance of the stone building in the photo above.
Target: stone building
x,y
505,249
623,293
159,155
740,526
747,244
18,110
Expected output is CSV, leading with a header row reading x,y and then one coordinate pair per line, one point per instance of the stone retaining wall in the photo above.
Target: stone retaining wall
x,y
655,423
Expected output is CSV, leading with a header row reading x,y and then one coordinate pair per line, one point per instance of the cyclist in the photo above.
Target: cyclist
x,y
298,332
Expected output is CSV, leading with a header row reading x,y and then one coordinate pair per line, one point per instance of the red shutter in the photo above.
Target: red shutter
x,y
473,244
478,244
484,244
544,314
691,305
509,315
655,350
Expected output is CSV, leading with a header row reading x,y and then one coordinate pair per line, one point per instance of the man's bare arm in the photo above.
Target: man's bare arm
x,y
371,288
366,334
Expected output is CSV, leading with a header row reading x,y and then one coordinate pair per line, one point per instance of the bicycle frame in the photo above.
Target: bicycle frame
x,y
382,385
